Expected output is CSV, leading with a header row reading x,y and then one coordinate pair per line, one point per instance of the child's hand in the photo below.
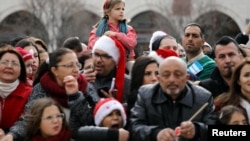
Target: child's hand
x,y
110,33
123,135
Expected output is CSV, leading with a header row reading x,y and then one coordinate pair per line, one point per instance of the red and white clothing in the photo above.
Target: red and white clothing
x,y
128,40
12,105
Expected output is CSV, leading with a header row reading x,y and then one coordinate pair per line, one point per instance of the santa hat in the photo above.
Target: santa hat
x,y
116,50
155,36
25,54
105,106
161,54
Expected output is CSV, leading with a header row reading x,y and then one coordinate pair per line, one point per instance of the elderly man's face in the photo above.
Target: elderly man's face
x,y
173,76
103,63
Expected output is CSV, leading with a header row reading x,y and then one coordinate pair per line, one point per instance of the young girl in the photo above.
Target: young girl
x,y
28,60
114,24
232,115
46,122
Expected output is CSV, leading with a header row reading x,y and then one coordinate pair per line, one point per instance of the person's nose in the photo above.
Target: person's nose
x,y
171,78
55,119
190,38
227,59
9,65
154,77
115,116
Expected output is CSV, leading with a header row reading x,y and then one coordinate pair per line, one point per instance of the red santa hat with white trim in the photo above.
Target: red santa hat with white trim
x,y
25,54
116,50
160,54
105,106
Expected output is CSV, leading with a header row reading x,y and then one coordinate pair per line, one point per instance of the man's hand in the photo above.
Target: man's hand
x,y
187,129
166,134
2,133
90,75
123,135
8,137
247,30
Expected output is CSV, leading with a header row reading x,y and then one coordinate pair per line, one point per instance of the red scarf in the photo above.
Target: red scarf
x,y
64,135
57,92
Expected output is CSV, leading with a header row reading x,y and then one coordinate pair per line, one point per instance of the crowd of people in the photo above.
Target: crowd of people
x,y
102,91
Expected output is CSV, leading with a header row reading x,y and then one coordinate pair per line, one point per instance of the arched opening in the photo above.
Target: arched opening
x,y
79,24
216,25
22,23
145,24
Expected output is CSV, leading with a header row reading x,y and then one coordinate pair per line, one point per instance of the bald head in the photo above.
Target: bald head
x,y
173,76
173,61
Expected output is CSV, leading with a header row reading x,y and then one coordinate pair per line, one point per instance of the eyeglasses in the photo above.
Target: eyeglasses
x,y
102,56
51,117
7,63
71,65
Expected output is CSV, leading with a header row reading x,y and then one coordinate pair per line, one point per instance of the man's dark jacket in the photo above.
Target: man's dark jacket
x,y
154,111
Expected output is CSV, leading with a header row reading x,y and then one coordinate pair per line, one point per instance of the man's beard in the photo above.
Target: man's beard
x,y
229,73
172,92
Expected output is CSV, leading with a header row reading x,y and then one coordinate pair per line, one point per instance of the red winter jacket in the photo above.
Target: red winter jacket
x,y
12,107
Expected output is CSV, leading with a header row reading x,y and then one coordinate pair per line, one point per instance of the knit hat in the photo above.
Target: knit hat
x,y
161,54
116,50
157,42
105,106
207,44
25,54
155,36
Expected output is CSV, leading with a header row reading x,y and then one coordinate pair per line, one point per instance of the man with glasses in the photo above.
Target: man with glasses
x,y
108,79
108,75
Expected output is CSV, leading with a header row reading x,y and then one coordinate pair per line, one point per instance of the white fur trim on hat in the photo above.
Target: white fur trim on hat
x,y
106,108
108,45
207,44
154,54
154,36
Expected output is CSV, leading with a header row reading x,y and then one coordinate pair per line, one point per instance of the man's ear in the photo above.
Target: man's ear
x,y
187,76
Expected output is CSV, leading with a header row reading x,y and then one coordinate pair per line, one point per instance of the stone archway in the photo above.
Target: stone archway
x,y
145,24
22,23
79,24
216,25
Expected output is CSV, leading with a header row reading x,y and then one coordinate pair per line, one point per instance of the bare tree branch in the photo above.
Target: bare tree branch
x,y
53,13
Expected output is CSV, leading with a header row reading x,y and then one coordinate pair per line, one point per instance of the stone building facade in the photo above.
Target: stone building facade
x,y
218,17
